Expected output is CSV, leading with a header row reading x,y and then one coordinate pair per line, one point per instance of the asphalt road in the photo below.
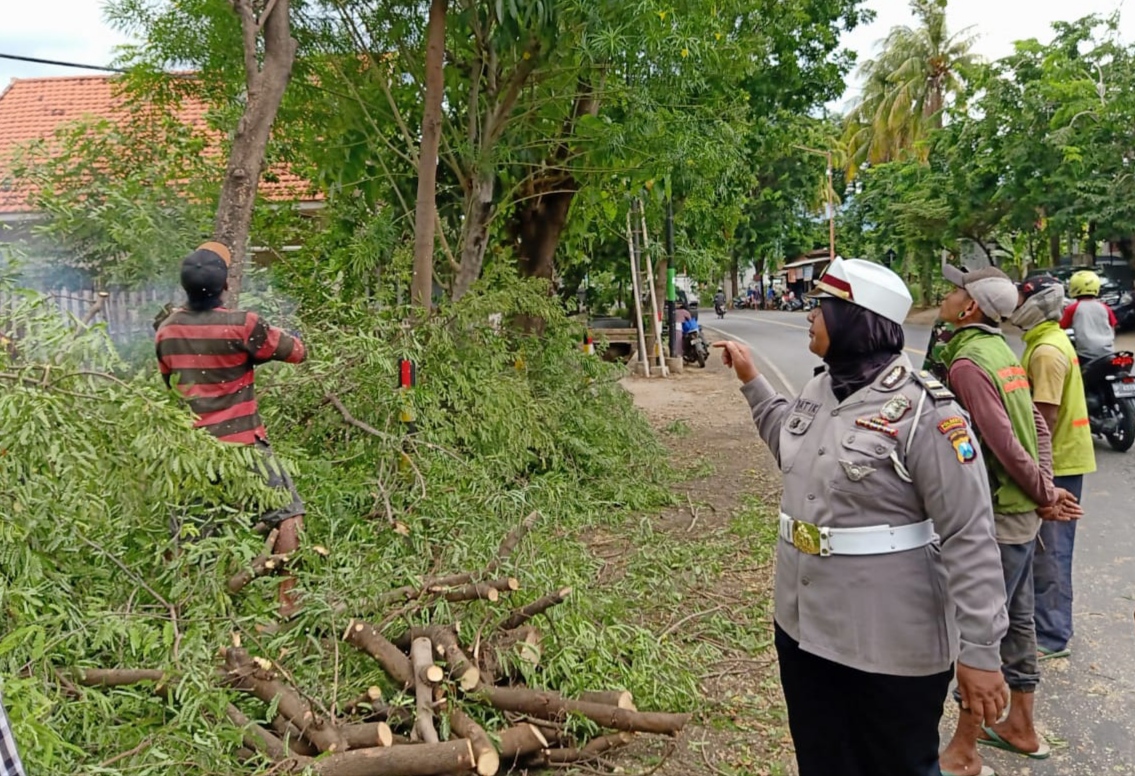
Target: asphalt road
x,y
1086,703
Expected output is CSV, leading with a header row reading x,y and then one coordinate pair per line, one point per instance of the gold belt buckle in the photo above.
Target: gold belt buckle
x,y
809,539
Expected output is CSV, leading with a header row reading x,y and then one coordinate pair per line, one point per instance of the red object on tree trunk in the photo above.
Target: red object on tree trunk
x,y
408,375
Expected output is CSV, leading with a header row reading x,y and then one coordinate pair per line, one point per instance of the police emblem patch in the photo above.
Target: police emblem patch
x,y
951,424
856,472
877,424
963,446
895,408
798,424
893,377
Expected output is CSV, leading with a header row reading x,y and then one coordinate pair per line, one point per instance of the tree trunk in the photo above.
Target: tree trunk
x,y
734,278
474,234
1053,248
424,212
1093,246
926,276
264,90
539,221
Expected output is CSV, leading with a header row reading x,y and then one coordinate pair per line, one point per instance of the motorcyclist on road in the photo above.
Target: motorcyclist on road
x,y
719,300
1092,320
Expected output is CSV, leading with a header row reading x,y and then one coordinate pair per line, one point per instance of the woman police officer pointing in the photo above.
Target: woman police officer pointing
x,y
887,559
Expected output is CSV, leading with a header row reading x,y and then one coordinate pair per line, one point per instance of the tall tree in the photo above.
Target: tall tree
x,y
269,51
907,87
425,216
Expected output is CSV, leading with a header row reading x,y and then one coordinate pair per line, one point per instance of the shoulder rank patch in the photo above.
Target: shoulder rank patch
x,y
894,378
877,424
933,386
963,445
952,424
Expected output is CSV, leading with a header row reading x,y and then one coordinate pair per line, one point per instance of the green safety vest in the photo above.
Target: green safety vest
x,y
991,353
1072,449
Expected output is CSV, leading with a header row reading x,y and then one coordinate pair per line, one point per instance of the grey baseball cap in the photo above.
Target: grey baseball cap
x,y
993,290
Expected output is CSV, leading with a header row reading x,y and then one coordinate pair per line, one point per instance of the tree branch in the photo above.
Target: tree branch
x,y
494,123
264,16
249,31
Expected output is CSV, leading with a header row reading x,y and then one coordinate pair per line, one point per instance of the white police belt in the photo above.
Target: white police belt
x,y
871,540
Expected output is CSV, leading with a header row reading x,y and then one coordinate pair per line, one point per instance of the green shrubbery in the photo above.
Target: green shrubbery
x,y
96,458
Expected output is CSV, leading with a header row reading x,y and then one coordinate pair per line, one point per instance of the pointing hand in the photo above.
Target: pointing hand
x,y
739,358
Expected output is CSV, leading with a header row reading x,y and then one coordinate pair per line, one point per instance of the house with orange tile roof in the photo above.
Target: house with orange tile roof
x,y
33,109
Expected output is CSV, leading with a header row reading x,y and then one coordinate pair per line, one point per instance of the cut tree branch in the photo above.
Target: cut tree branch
x,y
589,751
262,566
247,675
553,706
539,606
520,741
255,736
485,755
416,760
425,677
366,637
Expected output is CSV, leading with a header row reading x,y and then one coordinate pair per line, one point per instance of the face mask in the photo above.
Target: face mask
x,y
1045,306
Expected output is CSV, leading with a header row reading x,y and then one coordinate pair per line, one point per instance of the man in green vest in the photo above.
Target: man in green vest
x,y
993,387
1058,392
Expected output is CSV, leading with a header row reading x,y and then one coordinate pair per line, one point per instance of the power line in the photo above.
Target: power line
x,y
56,62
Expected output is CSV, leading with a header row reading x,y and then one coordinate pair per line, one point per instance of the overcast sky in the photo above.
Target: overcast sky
x,y
74,30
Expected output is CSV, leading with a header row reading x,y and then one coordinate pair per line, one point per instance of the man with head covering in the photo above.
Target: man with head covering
x,y
1093,321
886,565
993,386
1058,392
210,354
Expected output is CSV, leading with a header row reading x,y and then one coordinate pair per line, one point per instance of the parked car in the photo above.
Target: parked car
x,y
1115,290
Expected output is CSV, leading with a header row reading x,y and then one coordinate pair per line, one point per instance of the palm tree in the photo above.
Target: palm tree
x,y
906,88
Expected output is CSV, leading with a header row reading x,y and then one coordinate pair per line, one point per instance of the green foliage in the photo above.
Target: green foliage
x,y
95,462
919,71
676,91
1032,164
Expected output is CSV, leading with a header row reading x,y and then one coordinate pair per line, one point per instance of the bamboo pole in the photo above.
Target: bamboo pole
x,y
654,313
643,357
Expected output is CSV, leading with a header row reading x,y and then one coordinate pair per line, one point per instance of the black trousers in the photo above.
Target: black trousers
x,y
847,722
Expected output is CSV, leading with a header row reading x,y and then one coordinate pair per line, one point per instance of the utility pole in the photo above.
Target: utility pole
x,y
671,291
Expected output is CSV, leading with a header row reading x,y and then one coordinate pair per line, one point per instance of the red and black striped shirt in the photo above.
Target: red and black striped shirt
x,y
212,355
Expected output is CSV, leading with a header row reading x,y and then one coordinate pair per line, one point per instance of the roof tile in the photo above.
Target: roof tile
x,y
34,108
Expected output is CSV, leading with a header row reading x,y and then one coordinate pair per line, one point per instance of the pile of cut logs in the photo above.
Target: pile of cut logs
x,y
444,677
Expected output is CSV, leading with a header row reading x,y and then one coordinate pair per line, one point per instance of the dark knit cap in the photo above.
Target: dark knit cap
x,y
203,276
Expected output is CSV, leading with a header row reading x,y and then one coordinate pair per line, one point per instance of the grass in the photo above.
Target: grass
x,y
678,429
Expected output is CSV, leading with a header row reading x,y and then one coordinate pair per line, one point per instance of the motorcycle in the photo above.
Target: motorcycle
x,y
1110,389
694,347
719,308
791,305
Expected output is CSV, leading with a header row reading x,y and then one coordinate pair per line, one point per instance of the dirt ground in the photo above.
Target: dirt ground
x,y
728,507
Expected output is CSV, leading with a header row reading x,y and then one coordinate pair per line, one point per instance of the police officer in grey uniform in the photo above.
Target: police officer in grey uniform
x,y
887,567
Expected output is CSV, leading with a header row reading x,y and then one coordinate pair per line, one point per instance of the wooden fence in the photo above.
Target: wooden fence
x,y
127,314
